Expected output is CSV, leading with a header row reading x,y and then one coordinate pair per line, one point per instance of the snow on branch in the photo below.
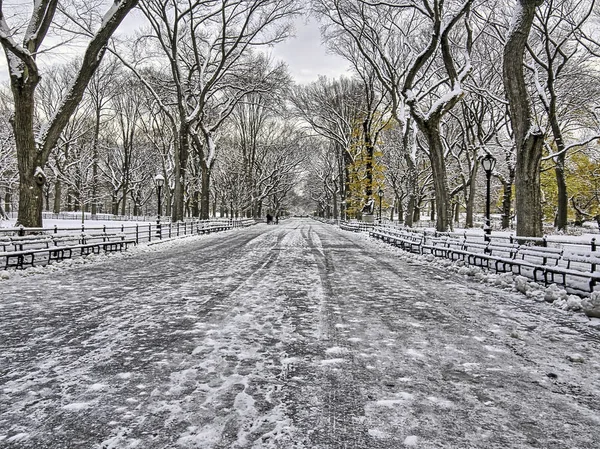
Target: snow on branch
x,y
582,143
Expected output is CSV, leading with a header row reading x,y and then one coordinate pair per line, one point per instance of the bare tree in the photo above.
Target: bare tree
x,y
208,46
528,137
33,150
413,48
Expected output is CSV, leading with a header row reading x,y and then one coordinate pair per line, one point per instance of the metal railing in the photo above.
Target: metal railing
x,y
140,232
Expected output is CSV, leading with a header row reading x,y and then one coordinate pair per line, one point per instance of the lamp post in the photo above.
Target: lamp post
x,y
160,182
380,194
488,163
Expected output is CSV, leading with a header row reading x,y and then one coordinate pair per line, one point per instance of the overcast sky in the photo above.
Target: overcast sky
x,y
304,54
306,57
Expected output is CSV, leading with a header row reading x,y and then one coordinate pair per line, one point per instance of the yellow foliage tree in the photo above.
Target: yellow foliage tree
x,y
583,181
582,174
366,174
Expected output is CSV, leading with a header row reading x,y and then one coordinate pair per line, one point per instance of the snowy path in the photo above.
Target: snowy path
x,y
289,336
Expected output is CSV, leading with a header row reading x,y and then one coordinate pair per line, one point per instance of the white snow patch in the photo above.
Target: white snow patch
x,y
76,406
376,433
411,440
443,403
18,437
327,362
336,350
414,353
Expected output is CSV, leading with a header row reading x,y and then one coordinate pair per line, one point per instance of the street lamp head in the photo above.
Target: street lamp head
x,y
159,180
488,162
380,192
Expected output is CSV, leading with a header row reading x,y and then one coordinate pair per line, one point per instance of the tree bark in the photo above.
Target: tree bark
x,y
528,137
470,207
440,181
563,195
57,197
205,194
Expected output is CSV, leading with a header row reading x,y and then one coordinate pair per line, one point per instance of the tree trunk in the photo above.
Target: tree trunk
x,y
470,207
412,181
180,171
57,197
7,202
563,196
205,194
400,206
417,213
196,204
456,211
95,164
528,138
31,176
335,205
440,183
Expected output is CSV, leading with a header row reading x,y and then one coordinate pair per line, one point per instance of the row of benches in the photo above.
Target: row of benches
x,y
572,266
28,250
19,251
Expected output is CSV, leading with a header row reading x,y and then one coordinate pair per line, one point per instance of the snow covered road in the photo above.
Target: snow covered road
x,y
291,336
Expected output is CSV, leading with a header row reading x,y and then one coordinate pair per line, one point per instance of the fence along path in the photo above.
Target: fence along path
x,y
22,247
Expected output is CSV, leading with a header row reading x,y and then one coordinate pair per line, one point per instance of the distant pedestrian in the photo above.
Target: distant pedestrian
x,y
269,219
276,219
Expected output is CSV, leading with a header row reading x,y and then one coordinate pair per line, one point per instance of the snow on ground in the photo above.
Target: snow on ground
x,y
291,336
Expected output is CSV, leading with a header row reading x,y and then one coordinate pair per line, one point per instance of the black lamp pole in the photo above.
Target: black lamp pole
x,y
488,163
380,193
160,180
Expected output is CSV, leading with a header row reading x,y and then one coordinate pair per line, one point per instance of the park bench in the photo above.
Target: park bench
x,y
206,227
94,242
530,261
27,250
453,248
350,226
578,263
407,240
21,250
435,245
484,254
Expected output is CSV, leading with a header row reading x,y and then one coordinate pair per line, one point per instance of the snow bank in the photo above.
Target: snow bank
x,y
591,305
